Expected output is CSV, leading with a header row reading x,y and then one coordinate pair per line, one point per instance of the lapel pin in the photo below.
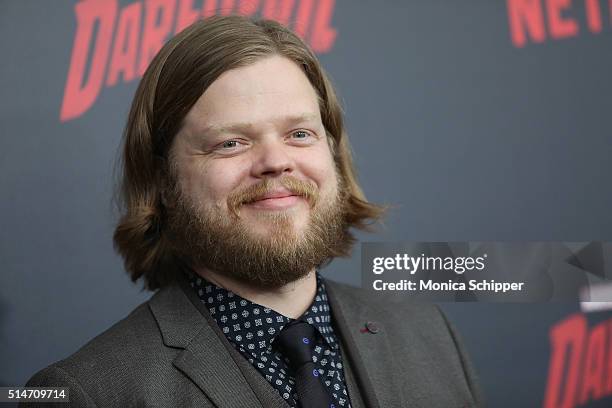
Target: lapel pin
x,y
370,327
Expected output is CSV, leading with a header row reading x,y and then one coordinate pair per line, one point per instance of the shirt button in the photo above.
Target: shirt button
x,y
372,327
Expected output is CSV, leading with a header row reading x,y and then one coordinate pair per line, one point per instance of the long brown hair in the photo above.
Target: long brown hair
x,y
176,78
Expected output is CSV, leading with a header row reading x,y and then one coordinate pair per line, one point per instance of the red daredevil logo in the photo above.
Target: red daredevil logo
x,y
113,43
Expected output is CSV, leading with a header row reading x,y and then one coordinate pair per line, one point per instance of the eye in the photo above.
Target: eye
x,y
300,134
229,144
301,137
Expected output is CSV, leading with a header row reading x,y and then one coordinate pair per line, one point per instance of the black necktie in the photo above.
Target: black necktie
x,y
296,342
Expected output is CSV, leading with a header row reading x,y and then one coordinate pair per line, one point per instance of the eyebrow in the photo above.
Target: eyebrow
x,y
242,126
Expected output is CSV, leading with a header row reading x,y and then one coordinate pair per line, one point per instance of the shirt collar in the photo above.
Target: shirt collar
x,y
253,327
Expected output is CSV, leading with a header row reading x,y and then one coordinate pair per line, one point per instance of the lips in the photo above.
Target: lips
x,y
274,195
275,200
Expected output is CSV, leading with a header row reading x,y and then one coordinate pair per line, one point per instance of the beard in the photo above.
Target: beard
x,y
224,242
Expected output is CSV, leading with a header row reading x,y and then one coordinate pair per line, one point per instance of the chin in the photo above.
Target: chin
x,y
267,227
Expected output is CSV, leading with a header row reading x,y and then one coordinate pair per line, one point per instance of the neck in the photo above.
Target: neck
x,y
290,300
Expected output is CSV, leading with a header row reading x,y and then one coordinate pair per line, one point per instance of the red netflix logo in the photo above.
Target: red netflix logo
x,y
529,18
580,367
126,39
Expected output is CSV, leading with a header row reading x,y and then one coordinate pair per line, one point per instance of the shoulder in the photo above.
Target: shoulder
x,y
110,364
134,335
418,334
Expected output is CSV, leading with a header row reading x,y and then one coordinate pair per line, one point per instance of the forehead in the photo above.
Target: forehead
x,y
270,89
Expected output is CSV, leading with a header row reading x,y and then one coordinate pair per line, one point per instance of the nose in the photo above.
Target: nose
x,y
272,159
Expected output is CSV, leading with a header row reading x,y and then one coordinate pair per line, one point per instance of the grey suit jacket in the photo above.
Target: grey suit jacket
x,y
169,353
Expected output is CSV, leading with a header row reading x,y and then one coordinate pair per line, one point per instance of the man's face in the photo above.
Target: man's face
x,y
256,195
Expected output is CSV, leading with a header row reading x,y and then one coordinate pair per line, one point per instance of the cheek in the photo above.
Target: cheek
x,y
213,183
322,170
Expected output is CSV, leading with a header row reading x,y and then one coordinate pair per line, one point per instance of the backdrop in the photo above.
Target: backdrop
x,y
481,120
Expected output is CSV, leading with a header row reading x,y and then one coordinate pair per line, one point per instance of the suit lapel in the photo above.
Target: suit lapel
x,y
370,356
205,359
206,362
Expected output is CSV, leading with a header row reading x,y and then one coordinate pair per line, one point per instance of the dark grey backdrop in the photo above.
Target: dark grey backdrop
x,y
471,137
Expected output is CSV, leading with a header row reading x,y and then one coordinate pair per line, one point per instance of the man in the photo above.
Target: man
x,y
238,186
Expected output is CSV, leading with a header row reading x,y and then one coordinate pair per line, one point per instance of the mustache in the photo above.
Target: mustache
x,y
258,191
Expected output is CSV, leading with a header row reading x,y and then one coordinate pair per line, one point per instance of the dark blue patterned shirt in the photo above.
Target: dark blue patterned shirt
x,y
252,328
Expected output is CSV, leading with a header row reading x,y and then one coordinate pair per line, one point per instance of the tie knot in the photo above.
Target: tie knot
x,y
296,342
